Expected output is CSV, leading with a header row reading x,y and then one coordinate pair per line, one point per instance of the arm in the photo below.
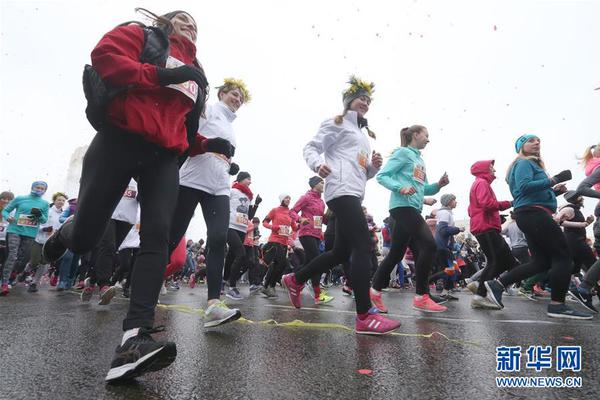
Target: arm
x,y
63,217
571,224
431,189
297,208
487,199
267,221
9,207
385,176
446,230
44,217
326,135
585,187
524,179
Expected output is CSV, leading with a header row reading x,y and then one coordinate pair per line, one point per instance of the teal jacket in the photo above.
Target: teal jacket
x,y
530,186
406,168
26,224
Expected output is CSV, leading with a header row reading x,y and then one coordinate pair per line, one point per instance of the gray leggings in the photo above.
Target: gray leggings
x,y
19,251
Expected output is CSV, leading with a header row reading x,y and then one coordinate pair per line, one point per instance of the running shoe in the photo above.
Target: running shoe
x,y
106,294
323,298
62,285
512,291
4,289
269,292
494,292
375,324
234,294
192,282
163,289
141,354
377,301
219,314
438,299
538,291
483,302
528,295
80,285
254,289
584,299
32,288
564,311
424,303
53,250
54,280
347,290
293,288
449,296
88,291
473,286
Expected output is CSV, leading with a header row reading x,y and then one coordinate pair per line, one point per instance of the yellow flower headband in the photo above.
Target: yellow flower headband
x,y
237,83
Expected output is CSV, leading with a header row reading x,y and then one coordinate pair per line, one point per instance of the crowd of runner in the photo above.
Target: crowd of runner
x,y
160,151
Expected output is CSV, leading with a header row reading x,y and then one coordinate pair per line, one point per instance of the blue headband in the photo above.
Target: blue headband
x,y
521,141
36,183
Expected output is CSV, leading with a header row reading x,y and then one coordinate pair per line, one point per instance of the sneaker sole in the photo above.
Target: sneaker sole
x,y
528,296
374,333
107,296
155,361
580,301
231,318
233,297
566,316
428,311
490,296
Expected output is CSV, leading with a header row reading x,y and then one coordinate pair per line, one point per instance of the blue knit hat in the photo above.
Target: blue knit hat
x,y
521,141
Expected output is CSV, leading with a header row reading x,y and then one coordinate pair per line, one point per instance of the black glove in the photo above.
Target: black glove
x,y
562,176
258,200
36,212
234,169
218,145
167,76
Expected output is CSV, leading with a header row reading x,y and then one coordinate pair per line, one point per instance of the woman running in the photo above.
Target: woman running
x,y
405,176
346,166
534,193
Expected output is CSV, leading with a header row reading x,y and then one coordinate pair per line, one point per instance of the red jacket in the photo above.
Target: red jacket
x,y
312,208
282,225
158,113
483,206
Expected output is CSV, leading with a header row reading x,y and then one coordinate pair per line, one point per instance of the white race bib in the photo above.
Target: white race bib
x,y
189,88
27,220
241,219
285,230
318,221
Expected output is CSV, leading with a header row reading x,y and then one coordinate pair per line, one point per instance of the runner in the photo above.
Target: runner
x,y
347,165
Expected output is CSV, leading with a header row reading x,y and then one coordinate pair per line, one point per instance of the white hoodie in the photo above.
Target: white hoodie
x,y
53,216
209,172
347,152
127,209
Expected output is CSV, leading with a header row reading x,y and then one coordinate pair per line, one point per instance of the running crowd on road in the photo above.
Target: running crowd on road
x,y
161,150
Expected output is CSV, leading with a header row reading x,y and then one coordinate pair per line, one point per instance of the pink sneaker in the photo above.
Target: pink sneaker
x,y
375,324
106,295
54,280
294,289
192,283
376,300
424,303
4,289
80,285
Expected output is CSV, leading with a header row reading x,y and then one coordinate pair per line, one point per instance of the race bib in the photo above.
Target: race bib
x,y
130,193
241,219
285,230
27,220
189,88
363,159
419,174
318,221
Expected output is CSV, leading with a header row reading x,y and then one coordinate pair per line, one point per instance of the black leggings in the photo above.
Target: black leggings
x,y
113,158
104,254
126,259
549,252
310,244
498,255
275,256
411,230
329,241
236,255
215,210
352,240
581,254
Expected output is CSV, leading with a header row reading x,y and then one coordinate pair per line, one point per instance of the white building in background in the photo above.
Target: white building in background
x,y
74,171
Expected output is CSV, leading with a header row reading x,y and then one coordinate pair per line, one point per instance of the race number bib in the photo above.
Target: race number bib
x,y
363,159
241,219
130,193
27,220
189,88
285,230
317,221
419,174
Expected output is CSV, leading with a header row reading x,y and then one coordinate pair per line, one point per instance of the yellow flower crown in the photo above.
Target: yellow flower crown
x,y
357,84
237,83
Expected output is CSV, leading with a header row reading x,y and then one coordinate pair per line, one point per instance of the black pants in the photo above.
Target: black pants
x,y
113,158
104,255
256,272
352,240
275,256
215,210
236,255
329,241
549,252
411,230
498,255
581,254
311,251
521,254
126,259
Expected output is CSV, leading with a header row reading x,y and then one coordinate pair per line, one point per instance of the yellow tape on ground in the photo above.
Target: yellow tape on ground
x,y
311,325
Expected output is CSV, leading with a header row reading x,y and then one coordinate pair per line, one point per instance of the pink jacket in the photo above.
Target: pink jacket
x,y
281,223
312,208
590,167
483,206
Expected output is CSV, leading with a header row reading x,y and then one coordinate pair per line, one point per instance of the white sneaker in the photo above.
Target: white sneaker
x,y
483,302
473,286
219,314
163,289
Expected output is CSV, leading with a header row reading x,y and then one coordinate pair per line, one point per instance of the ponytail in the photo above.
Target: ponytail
x,y
588,154
407,134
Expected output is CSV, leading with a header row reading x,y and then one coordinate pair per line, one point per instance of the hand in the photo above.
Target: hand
x,y
590,219
429,201
408,191
443,180
234,169
376,159
562,176
560,188
218,145
184,73
36,212
258,200
47,229
323,171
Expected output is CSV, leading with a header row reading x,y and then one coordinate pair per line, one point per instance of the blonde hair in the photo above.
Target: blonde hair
x,y
588,154
340,118
522,156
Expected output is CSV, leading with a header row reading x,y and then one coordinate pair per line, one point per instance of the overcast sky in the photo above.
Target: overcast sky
x,y
477,74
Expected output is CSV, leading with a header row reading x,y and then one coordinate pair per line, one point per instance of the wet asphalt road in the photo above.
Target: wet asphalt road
x,y
54,347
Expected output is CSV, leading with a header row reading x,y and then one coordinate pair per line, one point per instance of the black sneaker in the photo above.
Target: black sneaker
x,y
32,288
563,311
584,300
494,292
141,354
53,250
438,299
449,296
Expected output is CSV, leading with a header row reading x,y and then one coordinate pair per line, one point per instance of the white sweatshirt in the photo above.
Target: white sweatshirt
x,y
209,172
127,209
347,152
53,216
132,240
239,206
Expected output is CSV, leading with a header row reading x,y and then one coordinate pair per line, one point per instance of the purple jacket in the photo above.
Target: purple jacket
x,y
312,208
